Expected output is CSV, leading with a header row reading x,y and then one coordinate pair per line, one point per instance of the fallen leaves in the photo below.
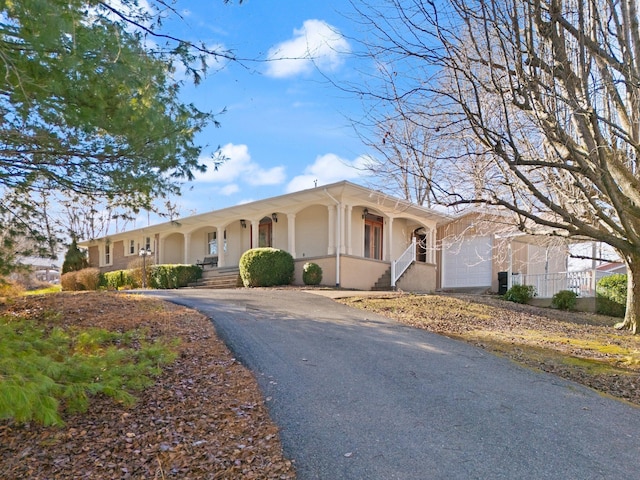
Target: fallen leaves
x,y
578,346
203,419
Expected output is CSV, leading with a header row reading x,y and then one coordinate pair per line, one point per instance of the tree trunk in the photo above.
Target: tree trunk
x,y
632,315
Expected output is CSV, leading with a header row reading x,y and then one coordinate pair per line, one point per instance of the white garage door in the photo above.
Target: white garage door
x,y
466,263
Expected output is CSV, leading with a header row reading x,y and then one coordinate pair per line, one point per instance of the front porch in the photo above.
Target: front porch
x,y
352,232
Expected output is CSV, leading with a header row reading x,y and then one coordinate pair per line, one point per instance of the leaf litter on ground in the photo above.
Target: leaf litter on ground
x,y
582,347
203,418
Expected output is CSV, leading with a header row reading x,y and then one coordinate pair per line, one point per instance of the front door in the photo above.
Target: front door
x,y
373,237
265,233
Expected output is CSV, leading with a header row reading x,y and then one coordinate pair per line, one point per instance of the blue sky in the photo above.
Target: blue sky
x,y
285,124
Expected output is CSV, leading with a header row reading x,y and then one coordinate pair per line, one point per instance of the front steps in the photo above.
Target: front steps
x,y
383,283
215,278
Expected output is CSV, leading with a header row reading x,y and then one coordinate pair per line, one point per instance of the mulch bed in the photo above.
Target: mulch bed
x,y
204,418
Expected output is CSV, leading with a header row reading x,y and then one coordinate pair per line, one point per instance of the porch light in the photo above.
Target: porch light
x,y
365,212
274,217
243,223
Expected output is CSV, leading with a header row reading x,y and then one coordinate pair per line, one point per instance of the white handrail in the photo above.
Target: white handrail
x,y
399,266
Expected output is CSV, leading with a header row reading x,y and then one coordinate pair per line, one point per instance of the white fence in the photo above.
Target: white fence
x,y
548,284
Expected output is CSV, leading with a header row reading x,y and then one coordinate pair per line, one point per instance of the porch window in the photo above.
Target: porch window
x,y
147,244
212,243
265,233
373,237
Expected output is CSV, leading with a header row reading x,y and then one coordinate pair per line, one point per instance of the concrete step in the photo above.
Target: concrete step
x,y
223,278
384,282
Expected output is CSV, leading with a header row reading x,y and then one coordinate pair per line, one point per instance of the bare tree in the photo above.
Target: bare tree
x,y
544,95
406,155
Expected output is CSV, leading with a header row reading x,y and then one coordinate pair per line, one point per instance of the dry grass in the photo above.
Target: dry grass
x,y
579,346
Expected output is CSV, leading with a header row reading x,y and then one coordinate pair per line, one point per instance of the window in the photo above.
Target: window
x,y
147,244
212,243
132,247
107,254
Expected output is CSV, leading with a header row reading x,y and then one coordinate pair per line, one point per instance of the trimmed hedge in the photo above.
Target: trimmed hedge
x,y
173,276
266,267
117,279
160,276
611,295
85,279
311,274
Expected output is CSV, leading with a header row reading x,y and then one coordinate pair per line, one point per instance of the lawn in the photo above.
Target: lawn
x,y
578,346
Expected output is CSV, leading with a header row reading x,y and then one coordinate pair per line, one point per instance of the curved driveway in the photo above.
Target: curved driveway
x,y
358,396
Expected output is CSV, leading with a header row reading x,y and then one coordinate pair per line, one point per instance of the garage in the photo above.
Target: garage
x,y
467,262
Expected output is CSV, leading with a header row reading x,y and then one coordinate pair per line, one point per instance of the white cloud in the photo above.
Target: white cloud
x,y
229,189
328,168
316,44
239,167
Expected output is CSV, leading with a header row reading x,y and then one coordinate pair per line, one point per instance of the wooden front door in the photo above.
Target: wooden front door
x,y
373,237
265,233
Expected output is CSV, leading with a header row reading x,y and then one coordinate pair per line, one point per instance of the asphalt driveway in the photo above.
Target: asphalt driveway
x,y
358,396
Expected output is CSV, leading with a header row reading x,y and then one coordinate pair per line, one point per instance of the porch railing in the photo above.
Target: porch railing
x,y
399,266
548,284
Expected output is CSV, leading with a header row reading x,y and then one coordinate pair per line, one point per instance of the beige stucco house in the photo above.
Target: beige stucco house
x,y
354,233
362,239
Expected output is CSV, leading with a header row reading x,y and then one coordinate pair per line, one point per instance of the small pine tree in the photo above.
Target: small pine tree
x,y
75,259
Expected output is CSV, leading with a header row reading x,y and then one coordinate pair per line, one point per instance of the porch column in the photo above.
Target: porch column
x,y
187,247
332,230
220,239
255,233
291,234
347,229
431,252
341,228
161,255
389,249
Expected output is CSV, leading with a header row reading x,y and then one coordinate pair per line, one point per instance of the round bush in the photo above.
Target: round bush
x,y
611,295
311,274
266,267
520,293
565,300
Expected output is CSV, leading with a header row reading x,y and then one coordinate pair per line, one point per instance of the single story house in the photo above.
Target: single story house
x,y
361,238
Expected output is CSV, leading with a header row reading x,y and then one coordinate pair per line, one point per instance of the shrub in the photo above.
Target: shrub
x,y
266,267
520,293
75,259
117,279
565,300
136,267
44,372
311,274
10,289
173,276
88,279
611,295
69,281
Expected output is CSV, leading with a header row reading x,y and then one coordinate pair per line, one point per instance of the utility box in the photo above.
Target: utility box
x,y
503,282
